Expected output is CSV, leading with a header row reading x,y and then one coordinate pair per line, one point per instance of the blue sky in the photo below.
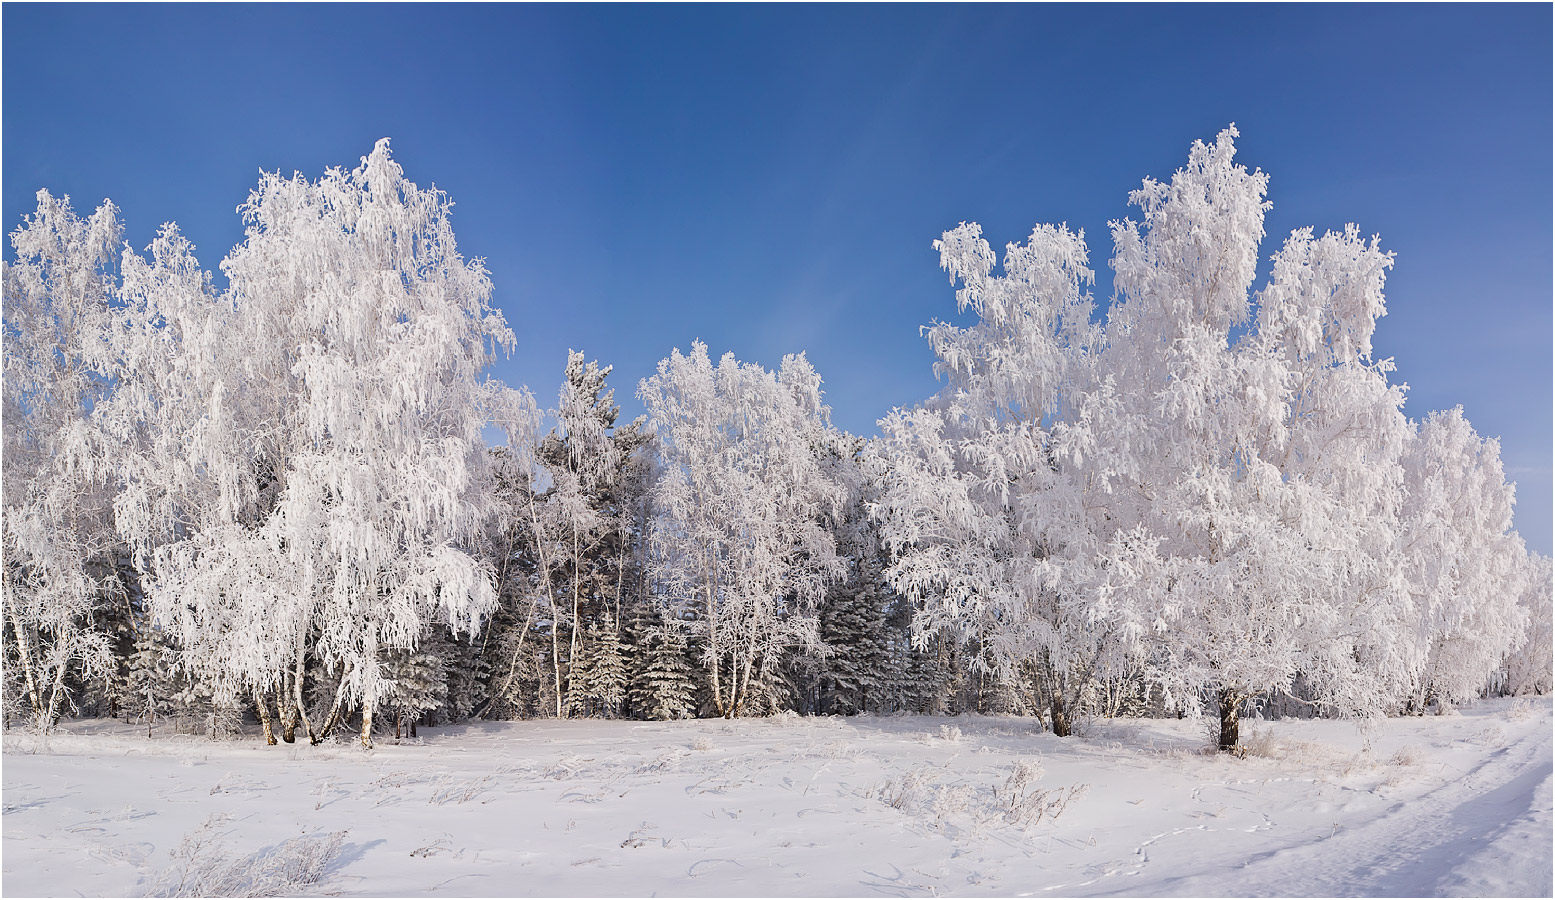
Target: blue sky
x,y
769,178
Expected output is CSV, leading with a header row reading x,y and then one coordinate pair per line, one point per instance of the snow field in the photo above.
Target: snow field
x,y
973,806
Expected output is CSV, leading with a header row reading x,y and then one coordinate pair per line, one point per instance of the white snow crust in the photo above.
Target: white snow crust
x,y
789,806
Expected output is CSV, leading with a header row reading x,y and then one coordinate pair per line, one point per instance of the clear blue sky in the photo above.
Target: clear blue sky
x,y
770,178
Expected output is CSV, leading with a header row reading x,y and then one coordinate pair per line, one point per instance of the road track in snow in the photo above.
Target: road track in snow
x,y
1461,838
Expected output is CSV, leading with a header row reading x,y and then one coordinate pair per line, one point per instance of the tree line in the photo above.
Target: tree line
x,y
275,502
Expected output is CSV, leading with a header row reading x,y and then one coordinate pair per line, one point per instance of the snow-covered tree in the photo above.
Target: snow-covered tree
x,y
1339,453
1189,488
993,503
566,554
582,519
599,682
1264,463
57,526
866,659
741,548
353,418
1194,408
664,683
153,680
417,683
1465,567
853,627
1528,668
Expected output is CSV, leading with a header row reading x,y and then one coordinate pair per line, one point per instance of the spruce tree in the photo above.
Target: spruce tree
x,y
853,626
152,685
599,686
419,685
665,685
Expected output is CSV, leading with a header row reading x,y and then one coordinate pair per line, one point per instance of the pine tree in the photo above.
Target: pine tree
x,y
418,684
664,687
599,686
898,691
466,674
936,679
152,687
852,624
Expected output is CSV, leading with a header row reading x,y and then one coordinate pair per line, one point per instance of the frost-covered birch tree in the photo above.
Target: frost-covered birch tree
x,y
1275,479
991,502
741,552
1530,669
1226,618
1466,569
1211,479
358,406
57,523
580,525
1339,453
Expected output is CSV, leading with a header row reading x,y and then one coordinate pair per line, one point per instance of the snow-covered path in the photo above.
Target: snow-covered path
x,y
1459,838
807,807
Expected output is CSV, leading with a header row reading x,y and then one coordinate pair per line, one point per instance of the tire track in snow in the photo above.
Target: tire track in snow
x,y
1416,847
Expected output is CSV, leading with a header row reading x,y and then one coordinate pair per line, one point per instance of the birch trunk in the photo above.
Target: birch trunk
x,y
263,707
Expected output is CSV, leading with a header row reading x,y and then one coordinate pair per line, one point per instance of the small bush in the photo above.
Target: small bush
x,y
203,866
1025,804
1491,736
1018,800
906,793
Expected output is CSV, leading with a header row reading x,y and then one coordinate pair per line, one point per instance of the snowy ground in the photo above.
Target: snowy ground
x,y
1457,805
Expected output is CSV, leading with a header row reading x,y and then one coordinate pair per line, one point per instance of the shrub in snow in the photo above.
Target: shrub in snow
x,y
1016,800
1024,803
203,866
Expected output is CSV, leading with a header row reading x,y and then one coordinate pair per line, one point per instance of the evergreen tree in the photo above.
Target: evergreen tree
x,y
600,685
418,684
936,678
152,688
466,674
898,691
159,689
852,624
664,686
